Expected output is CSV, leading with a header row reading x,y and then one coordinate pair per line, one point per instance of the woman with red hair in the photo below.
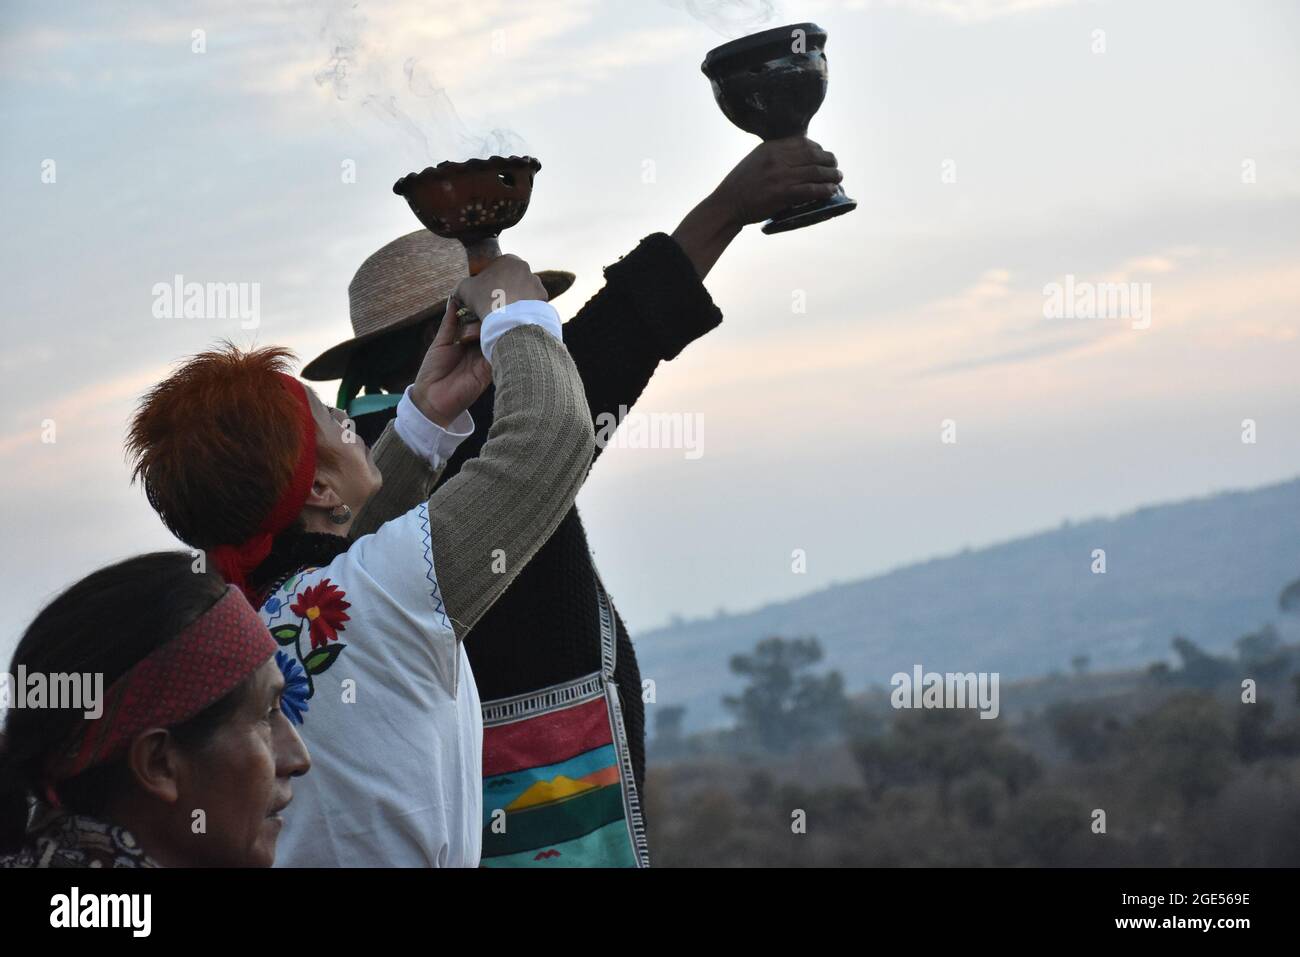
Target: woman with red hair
x,y
244,463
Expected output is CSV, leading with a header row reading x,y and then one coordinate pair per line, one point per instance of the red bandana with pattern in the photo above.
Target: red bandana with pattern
x,y
197,668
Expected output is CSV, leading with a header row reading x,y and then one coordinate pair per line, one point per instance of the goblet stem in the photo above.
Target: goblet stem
x,y
480,255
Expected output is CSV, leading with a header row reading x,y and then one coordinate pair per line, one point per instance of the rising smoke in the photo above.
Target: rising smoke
x,y
730,18
401,93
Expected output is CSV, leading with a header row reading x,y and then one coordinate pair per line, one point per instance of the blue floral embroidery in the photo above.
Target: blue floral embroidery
x,y
293,700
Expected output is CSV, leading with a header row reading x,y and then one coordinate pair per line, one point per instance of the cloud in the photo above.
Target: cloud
x,y
1141,268
966,11
488,53
92,410
995,323
1024,354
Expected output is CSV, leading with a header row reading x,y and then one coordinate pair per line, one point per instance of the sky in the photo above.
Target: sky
x,y
994,147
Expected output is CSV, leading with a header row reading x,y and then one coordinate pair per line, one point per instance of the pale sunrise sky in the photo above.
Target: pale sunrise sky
x,y
1171,156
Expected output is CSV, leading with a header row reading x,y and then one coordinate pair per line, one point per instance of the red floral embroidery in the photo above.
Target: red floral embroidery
x,y
323,607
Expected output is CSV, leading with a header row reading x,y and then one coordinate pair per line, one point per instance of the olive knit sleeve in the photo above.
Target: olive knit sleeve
x,y
488,521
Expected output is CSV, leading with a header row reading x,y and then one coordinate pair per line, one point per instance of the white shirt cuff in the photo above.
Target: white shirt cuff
x,y
428,439
526,312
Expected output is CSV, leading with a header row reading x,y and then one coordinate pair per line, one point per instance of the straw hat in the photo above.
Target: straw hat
x,y
405,283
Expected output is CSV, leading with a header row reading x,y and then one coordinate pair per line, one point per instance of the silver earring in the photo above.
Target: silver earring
x,y
340,515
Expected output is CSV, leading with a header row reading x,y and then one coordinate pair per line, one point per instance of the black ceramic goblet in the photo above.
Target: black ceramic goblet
x,y
771,84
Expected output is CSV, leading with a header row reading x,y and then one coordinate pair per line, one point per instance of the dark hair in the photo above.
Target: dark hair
x,y
104,624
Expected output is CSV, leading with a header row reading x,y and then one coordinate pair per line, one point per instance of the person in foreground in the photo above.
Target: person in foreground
x,y
243,462
542,649
190,729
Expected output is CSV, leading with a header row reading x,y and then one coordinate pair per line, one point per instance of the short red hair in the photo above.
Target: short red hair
x,y
215,444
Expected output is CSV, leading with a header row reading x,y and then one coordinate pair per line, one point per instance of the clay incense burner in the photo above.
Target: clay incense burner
x,y
771,84
471,201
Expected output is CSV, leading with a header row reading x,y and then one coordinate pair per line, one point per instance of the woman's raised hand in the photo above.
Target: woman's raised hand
x,y
453,374
506,279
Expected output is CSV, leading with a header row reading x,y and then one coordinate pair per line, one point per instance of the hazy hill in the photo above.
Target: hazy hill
x,y
1209,569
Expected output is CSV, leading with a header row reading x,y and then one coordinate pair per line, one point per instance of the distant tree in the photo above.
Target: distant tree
x,y
1200,670
1263,654
1257,736
1080,664
1047,824
1184,747
864,718
1016,767
978,797
762,788
709,834
1086,730
783,703
1289,600
1252,731
884,761
668,729
1260,644
942,746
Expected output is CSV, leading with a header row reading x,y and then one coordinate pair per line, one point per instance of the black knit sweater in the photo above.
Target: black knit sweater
x,y
545,629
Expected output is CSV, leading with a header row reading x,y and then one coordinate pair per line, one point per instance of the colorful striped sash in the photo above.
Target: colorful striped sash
x,y
558,789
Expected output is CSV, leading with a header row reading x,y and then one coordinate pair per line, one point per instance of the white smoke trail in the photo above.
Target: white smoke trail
x,y
730,18
361,71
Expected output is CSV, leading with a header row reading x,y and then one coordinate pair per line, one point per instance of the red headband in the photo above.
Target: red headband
x,y
172,684
236,561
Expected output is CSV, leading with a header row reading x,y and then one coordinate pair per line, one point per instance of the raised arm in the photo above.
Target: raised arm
x,y
654,303
492,517
651,307
488,521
